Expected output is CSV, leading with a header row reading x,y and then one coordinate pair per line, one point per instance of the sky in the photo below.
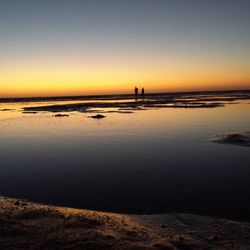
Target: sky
x,y
78,47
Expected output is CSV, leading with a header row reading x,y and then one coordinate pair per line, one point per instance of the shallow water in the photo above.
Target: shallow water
x,y
152,161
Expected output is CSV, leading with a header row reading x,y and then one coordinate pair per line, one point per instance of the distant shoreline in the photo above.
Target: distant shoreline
x,y
113,96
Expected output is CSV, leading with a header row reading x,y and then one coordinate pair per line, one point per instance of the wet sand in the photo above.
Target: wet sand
x,y
26,225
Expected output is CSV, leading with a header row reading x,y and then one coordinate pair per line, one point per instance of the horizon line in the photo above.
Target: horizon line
x,y
37,98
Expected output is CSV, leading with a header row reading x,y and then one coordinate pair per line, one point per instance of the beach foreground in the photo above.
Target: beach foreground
x,y
26,225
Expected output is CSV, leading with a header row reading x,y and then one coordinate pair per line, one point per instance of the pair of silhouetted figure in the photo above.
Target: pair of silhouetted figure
x,y
142,92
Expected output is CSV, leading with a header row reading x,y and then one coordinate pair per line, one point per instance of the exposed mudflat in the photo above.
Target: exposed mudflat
x,y
236,138
121,103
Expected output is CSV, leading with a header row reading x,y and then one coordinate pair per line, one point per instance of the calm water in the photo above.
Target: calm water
x,y
147,162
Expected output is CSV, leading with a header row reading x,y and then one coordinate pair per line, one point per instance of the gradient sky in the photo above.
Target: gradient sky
x,y
74,47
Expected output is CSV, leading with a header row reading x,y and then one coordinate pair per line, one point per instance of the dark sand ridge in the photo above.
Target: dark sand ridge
x,y
132,105
136,105
241,138
26,225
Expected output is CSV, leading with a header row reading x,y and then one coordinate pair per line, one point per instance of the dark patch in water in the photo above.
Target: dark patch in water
x,y
30,112
60,115
237,138
98,116
3,110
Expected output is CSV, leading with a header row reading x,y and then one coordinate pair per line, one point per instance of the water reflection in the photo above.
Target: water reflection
x,y
150,161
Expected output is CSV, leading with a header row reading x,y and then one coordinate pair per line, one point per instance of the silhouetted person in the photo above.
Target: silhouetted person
x,y
136,92
142,92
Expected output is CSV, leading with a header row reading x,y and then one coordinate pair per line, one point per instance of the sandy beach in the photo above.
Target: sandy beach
x,y
27,225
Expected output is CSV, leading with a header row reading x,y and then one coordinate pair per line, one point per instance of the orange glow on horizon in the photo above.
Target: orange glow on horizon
x,y
46,79
67,49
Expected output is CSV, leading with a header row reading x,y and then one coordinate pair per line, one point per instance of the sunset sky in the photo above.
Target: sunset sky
x,y
75,47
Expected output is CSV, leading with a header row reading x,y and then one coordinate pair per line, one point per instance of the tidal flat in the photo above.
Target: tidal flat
x,y
182,100
171,163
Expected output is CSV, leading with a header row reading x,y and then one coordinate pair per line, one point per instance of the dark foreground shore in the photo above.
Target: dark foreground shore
x,y
26,225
